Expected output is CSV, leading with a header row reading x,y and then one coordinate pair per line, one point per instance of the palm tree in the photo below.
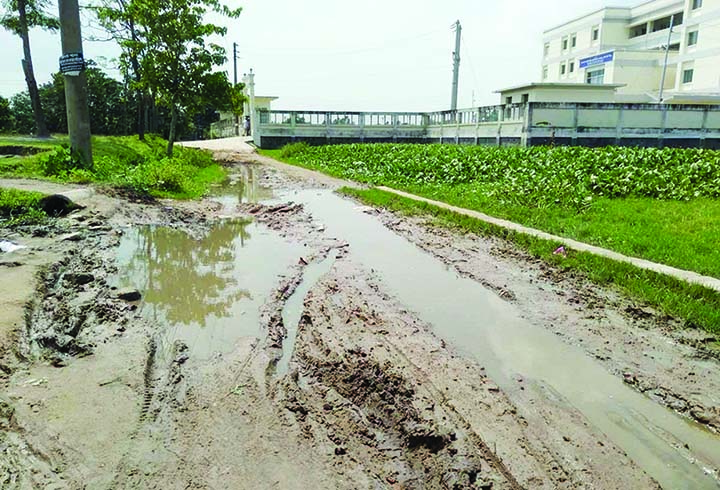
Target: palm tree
x,y
20,16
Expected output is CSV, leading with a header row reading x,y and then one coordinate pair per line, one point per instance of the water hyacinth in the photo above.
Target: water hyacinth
x,y
568,177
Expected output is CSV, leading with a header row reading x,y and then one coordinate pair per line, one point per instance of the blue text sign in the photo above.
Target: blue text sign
x,y
600,59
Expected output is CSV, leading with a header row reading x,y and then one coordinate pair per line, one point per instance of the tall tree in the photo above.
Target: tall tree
x,y
20,16
118,18
178,62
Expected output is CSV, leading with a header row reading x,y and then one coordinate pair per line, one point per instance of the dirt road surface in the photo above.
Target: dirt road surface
x,y
287,337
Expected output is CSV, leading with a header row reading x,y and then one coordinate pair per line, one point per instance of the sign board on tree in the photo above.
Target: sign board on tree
x,y
72,64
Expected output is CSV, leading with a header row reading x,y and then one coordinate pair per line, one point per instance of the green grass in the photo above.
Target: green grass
x,y
20,207
597,196
698,306
122,162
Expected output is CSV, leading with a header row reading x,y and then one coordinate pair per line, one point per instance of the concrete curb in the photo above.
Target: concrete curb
x,y
687,276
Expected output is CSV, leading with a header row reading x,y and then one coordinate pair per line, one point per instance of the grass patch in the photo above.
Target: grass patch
x,y
120,161
697,306
660,205
20,208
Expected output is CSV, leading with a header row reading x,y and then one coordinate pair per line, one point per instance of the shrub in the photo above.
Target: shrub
x,y
59,161
294,149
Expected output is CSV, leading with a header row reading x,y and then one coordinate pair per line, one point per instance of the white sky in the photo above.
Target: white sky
x,y
383,55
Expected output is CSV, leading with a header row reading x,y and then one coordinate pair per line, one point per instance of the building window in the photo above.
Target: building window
x,y
571,68
573,41
595,34
688,75
564,44
595,77
696,4
638,31
692,38
525,98
546,49
545,72
664,23
562,69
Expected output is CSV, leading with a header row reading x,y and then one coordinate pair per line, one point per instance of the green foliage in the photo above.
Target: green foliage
x,y
534,177
294,150
165,44
696,305
6,118
36,16
21,108
123,162
660,205
59,161
20,207
112,107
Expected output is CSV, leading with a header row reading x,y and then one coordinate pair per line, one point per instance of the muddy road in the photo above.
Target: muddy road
x,y
278,335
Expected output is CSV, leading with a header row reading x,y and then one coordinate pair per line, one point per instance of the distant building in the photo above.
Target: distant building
x,y
626,46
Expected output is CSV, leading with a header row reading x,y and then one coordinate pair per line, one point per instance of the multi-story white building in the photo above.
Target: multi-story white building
x,y
628,46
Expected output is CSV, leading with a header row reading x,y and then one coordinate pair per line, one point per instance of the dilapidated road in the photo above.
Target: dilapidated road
x,y
290,338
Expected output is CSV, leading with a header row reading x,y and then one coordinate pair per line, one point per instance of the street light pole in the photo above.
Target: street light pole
x,y
72,65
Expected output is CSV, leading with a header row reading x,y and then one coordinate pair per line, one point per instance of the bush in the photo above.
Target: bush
x,y
59,161
294,149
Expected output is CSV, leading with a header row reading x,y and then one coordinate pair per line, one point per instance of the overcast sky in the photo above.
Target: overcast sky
x,y
383,55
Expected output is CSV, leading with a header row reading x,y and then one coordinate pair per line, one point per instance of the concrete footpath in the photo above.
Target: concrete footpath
x,y
688,276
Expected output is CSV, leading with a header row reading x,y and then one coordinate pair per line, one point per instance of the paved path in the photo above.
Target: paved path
x,y
691,277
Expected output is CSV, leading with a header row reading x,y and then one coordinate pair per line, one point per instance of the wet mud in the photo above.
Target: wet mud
x,y
264,338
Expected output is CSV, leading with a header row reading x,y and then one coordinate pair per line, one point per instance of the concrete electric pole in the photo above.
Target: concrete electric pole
x,y
72,65
235,82
665,64
456,66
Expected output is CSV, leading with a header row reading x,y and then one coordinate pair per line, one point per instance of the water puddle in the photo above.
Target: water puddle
x,y
481,324
207,291
293,309
242,188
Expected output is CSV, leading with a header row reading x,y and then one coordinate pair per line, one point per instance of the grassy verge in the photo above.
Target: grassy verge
x,y
698,306
660,205
20,208
119,161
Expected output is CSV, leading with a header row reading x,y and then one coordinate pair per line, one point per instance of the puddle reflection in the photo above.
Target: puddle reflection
x,y
207,290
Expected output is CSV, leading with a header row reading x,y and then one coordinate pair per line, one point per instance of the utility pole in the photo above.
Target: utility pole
x,y
72,65
235,82
456,66
667,53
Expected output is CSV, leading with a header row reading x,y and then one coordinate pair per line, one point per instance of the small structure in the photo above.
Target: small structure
x,y
559,92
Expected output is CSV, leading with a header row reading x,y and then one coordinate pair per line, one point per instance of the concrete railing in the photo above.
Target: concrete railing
x,y
515,124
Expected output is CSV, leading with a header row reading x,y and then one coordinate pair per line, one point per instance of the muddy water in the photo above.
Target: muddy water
x,y
292,311
242,188
207,291
676,452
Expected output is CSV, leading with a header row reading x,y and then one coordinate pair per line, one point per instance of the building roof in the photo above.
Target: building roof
x,y
566,86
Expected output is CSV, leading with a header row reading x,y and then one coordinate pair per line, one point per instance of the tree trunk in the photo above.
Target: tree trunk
x,y
173,123
141,114
142,99
41,129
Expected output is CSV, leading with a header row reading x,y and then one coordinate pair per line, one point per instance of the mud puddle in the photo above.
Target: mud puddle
x,y
676,452
241,188
293,309
207,291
